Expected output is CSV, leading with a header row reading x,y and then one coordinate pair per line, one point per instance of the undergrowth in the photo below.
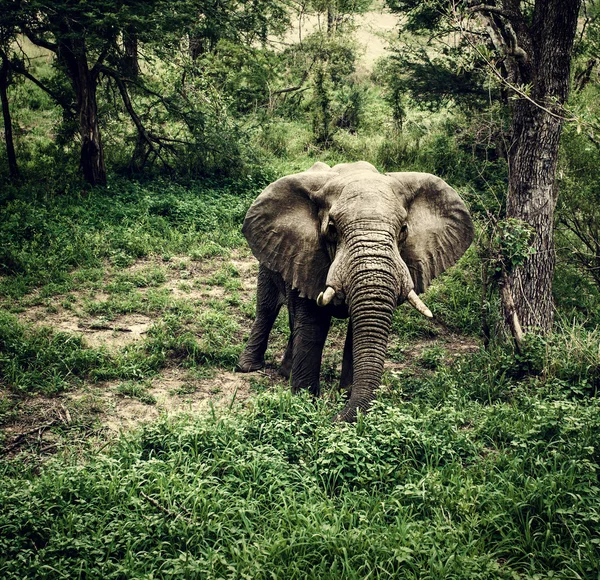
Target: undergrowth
x,y
452,488
46,238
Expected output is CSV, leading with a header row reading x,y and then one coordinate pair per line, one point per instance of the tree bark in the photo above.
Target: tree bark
x,y
92,153
8,133
131,66
74,56
533,153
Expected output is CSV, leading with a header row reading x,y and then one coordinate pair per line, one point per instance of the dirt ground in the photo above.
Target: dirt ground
x,y
100,411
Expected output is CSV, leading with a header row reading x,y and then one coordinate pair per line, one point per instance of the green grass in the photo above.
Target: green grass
x,y
136,391
42,360
485,467
460,490
52,241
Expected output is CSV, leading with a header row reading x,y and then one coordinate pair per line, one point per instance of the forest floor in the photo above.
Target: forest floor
x,y
114,315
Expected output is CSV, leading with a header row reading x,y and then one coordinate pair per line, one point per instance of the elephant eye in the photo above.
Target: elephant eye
x,y
403,232
331,231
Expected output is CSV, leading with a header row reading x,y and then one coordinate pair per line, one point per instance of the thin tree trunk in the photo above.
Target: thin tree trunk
x,y
533,155
92,153
131,66
330,20
8,132
196,46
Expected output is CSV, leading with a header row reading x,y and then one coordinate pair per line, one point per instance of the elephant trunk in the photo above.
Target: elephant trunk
x,y
372,296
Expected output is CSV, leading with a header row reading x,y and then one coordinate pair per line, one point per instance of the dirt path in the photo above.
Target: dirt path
x,y
373,31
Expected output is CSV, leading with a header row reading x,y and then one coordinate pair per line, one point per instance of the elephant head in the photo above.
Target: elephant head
x,y
355,237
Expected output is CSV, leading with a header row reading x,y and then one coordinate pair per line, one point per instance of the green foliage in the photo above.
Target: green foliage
x,y
46,237
432,357
578,203
512,242
42,360
456,489
432,82
444,145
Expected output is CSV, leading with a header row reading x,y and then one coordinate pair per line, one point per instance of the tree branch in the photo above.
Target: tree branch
x,y
51,46
512,86
144,134
292,89
493,9
19,68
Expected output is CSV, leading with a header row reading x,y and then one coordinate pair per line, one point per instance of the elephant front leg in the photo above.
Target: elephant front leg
x,y
286,363
310,328
269,300
347,363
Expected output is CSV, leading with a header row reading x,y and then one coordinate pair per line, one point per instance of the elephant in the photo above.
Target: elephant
x,y
347,241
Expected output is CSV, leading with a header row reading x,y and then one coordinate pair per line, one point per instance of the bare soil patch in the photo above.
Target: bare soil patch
x,y
175,392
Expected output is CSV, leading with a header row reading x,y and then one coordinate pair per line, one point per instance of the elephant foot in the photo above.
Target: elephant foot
x,y
349,413
248,365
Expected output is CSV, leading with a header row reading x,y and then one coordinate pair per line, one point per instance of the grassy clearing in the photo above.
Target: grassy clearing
x,y
61,243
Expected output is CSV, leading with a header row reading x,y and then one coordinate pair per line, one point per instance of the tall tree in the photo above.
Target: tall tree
x,y
533,42
8,32
85,36
81,36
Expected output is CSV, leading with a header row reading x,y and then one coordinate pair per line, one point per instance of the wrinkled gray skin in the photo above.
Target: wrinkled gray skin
x,y
371,237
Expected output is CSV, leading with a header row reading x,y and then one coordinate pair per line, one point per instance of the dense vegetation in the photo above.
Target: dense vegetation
x,y
483,463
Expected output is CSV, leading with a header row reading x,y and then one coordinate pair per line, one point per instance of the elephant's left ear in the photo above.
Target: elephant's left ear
x,y
439,226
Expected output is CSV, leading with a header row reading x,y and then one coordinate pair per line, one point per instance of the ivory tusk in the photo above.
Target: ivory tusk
x,y
325,297
418,304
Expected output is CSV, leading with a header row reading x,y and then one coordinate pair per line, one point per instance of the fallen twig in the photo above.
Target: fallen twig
x,y
167,511
19,439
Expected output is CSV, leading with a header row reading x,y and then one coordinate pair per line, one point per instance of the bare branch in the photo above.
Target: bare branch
x,y
51,46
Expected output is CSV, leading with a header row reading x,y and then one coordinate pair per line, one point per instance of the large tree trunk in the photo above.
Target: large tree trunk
x,y
8,133
533,153
74,56
532,198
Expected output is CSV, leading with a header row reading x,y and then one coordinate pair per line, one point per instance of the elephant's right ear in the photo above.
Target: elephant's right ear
x,y
282,229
